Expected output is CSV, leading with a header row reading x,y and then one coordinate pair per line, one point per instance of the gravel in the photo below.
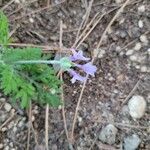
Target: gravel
x,y
131,142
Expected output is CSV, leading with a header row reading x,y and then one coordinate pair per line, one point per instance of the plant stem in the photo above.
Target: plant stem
x,y
37,62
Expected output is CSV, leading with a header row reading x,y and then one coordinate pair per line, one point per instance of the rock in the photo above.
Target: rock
x,y
133,58
108,134
140,24
141,9
143,38
1,146
99,53
2,99
131,142
137,106
118,1
144,69
137,46
7,107
129,52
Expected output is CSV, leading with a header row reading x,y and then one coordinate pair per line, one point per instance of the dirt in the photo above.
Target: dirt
x,y
103,100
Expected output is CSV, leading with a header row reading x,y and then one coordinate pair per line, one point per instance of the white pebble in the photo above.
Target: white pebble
x,y
137,106
138,46
1,146
17,1
4,129
143,38
129,52
7,107
31,20
6,148
33,118
143,69
140,24
118,1
2,99
79,119
141,9
133,58
148,51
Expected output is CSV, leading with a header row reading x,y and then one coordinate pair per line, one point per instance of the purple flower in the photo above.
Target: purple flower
x,y
88,68
78,56
76,76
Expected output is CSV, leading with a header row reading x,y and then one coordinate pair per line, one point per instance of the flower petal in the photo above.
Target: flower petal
x,y
78,56
88,68
76,76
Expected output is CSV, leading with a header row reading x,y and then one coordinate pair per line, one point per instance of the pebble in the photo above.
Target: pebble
x,y
6,148
1,146
137,46
143,38
140,24
17,1
31,20
99,53
118,1
131,142
133,58
7,107
144,69
4,129
2,99
129,52
141,9
137,106
148,50
108,134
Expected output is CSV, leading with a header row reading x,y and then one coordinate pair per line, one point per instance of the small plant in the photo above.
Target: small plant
x,y
26,74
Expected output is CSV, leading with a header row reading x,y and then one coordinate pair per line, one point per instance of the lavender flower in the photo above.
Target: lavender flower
x,y
88,68
78,56
76,76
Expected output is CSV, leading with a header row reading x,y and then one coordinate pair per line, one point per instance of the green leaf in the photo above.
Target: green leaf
x,y
3,29
12,55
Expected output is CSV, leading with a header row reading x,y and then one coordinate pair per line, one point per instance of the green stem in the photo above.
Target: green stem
x,y
37,62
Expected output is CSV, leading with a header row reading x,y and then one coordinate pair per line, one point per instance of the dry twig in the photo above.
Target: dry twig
x,y
46,126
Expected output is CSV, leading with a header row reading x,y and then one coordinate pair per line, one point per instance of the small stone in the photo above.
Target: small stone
x,y
2,99
137,106
140,24
108,134
129,52
7,107
144,69
20,124
1,146
99,53
143,38
148,51
131,142
137,46
4,129
118,1
79,119
33,118
6,148
31,20
17,1
141,9
133,58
